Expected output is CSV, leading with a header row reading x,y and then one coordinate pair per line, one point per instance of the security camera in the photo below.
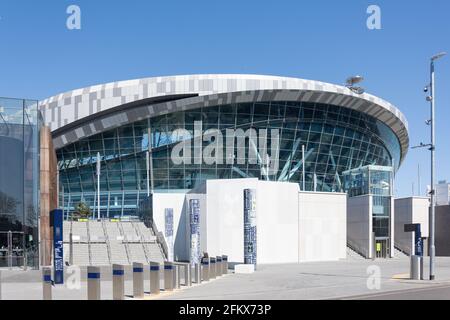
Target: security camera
x,y
425,89
429,98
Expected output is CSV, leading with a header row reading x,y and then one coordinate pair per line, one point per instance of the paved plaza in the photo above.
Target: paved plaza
x,y
349,279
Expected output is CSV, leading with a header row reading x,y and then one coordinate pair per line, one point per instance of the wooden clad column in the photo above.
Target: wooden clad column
x,y
48,194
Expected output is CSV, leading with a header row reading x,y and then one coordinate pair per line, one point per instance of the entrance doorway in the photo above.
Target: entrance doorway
x,y
12,249
382,248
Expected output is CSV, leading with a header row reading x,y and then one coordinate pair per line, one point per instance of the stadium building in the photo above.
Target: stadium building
x,y
321,137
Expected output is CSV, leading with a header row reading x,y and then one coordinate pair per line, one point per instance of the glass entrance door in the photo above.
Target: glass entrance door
x,y
382,248
12,249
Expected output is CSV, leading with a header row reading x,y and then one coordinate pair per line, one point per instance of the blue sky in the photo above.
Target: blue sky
x,y
320,40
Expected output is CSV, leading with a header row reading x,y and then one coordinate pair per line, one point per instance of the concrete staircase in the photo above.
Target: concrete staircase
x,y
353,255
102,243
398,254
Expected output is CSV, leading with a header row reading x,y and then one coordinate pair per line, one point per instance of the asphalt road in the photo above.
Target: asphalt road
x,y
430,293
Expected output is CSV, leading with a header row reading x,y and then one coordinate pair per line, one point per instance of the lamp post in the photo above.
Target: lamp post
x,y
98,185
432,148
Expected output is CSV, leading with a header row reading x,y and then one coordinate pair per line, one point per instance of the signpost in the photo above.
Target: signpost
x,y
416,268
418,241
56,218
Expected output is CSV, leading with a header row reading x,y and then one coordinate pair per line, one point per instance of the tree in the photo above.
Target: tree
x,y
82,211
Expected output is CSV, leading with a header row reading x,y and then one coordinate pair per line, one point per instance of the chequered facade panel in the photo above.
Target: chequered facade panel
x,y
66,108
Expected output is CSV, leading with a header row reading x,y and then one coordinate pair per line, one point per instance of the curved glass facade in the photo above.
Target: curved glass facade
x,y
336,139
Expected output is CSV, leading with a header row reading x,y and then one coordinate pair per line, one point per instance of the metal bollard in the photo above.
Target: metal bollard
x,y
47,283
154,278
118,282
168,276
93,287
225,264
416,272
197,273
176,275
138,280
212,268
205,269
187,275
219,266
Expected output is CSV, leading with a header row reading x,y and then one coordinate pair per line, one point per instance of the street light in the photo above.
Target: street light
x,y
432,148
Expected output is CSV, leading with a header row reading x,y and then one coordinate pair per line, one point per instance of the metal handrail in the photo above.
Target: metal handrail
x,y
160,239
124,241
108,246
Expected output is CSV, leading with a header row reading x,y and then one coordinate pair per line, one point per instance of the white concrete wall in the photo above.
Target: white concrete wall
x,y
225,217
177,202
322,226
410,210
277,218
359,224
287,230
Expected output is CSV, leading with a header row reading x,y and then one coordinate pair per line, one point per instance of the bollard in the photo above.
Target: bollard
x,y
197,273
118,282
219,266
176,276
416,272
205,269
225,264
212,268
168,276
93,287
47,283
138,280
187,275
154,278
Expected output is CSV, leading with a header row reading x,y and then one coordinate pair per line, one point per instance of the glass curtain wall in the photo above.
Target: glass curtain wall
x,y
336,139
20,123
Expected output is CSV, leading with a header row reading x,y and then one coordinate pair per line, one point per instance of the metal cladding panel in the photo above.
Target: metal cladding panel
x,y
64,109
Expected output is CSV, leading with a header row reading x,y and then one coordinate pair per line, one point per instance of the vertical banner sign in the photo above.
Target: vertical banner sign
x,y
58,254
168,219
250,226
194,206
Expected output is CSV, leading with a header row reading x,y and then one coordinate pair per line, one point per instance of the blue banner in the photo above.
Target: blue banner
x,y
58,254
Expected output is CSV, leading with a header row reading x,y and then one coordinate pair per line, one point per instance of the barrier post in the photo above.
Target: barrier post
x,y
176,276
168,276
187,275
198,273
225,264
154,278
205,269
47,283
212,268
118,282
219,266
93,287
138,280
